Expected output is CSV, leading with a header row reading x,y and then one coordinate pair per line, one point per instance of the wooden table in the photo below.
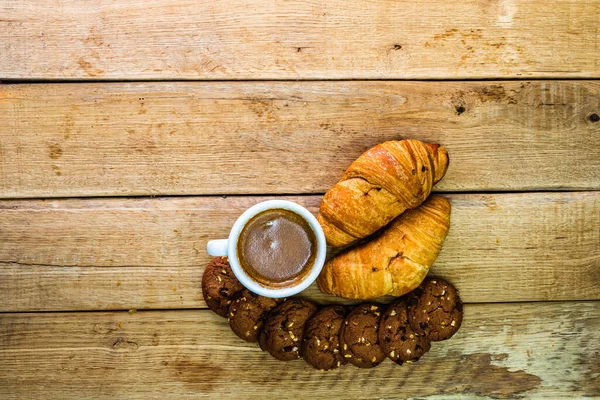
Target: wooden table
x,y
131,132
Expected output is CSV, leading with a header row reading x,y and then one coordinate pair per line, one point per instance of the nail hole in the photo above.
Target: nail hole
x,y
594,118
397,46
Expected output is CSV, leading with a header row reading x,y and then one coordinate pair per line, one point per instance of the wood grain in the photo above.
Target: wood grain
x,y
317,39
542,350
113,139
118,253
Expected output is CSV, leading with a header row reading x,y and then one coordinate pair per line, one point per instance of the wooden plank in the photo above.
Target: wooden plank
x,y
317,39
150,253
65,140
542,350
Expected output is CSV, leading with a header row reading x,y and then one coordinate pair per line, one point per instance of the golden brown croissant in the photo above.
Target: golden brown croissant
x,y
380,185
396,260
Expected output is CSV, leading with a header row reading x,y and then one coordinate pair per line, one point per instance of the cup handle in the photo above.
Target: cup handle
x,y
217,248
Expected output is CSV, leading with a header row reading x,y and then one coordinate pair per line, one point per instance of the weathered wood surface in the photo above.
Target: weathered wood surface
x,y
533,350
64,140
118,253
318,39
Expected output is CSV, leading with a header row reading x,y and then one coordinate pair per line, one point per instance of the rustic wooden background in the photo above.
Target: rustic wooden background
x,y
131,132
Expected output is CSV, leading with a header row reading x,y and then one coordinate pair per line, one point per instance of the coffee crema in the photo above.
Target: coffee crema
x,y
277,248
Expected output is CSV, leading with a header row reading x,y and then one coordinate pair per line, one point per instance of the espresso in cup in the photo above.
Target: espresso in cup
x,y
277,248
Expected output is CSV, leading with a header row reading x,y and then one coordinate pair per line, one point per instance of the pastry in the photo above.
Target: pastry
x,y
435,309
248,313
381,184
220,286
359,336
284,329
396,260
398,340
321,347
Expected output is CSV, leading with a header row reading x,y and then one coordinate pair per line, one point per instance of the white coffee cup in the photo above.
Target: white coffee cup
x,y
228,247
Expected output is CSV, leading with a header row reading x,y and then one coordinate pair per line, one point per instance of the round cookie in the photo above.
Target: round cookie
x,y
359,336
435,309
284,329
398,340
321,346
220,286
248,313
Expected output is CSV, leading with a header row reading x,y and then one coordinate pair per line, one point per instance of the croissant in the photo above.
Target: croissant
x,y
381,184
396,260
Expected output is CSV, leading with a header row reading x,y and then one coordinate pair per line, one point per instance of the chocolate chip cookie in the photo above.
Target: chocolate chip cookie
x,y
321,346
398,340
220,286
359,337
248,313
284,329
435,309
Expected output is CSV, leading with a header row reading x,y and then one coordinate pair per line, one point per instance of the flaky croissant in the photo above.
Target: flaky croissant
x,y
381,184
396,260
